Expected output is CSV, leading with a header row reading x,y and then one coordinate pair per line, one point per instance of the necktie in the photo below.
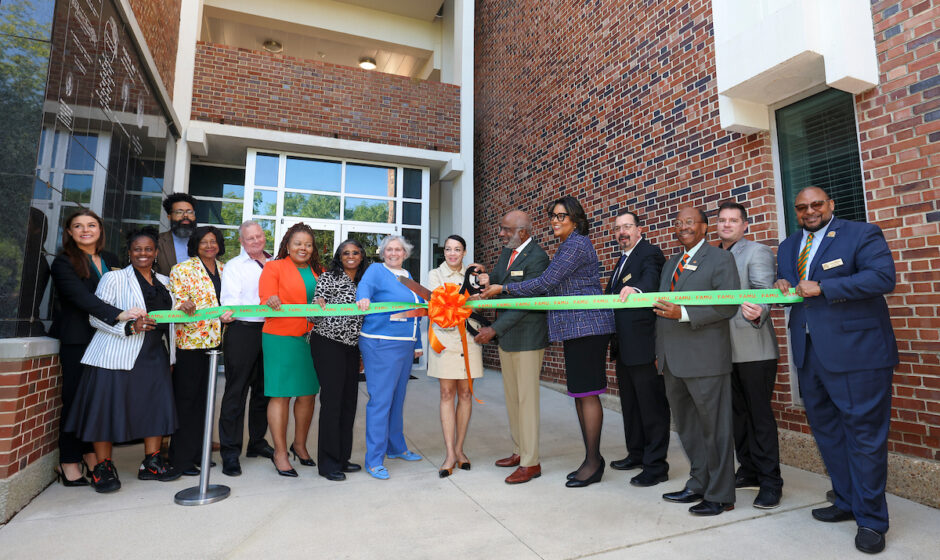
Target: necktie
x,y
679,269
619,271
512,257
803,261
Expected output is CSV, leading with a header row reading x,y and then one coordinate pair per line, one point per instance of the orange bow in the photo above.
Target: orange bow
x,y
446,310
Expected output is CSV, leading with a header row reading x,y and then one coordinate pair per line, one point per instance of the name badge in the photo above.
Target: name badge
x,y
832,264
627,277
831,234
515,273
691,267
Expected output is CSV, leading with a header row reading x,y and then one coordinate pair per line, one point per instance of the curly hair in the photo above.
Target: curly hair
x,y
146,231
301,227
169,201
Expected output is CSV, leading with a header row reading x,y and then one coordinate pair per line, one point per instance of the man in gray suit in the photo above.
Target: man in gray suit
x,y
754,361
693,352
523,336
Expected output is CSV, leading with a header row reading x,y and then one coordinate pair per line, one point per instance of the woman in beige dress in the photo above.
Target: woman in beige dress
x,y
448,366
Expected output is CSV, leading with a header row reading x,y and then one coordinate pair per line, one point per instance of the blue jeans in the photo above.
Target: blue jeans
x,y
388,366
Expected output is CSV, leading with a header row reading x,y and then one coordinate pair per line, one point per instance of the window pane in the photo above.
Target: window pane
x,y
225,213
152,184
268,227
77,188
143,207
411,213
313,174
370,179
41,190
323,239
366,210
232,247
266,169
265,203
413,264
412,186
311,206
218,182
81,152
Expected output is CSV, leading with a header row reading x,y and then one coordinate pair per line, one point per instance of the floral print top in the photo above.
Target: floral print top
x,y
190,281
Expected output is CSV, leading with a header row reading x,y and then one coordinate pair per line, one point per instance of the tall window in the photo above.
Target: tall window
x,y
818,146
220,194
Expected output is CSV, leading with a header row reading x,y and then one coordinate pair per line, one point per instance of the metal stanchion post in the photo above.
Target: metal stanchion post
x,y
206,493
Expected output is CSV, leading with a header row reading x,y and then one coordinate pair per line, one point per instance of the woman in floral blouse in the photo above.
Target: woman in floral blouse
x,y
195,284
335,347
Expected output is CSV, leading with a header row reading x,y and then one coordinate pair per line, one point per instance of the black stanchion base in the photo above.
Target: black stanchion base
x,y
192,496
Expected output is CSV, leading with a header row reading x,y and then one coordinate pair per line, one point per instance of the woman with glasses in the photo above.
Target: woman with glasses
x,y
334,344
575,271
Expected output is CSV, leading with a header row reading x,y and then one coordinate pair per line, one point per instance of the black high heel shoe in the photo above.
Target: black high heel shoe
x,y
462,466
60,476
596,477
305,462
289,472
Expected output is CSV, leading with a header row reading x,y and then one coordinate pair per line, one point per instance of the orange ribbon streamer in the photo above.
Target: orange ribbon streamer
x,y
446,310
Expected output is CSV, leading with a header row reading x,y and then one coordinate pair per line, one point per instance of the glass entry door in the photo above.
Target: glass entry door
x,y
325,234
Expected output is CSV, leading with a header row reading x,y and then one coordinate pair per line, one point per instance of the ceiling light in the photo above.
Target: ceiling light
x,y
367,63
272,46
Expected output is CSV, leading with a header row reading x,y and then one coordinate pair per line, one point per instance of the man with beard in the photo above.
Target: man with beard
x,y
181,209
844,351
523,336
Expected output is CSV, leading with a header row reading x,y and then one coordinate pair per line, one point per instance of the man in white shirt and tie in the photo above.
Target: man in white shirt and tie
x,y
242,355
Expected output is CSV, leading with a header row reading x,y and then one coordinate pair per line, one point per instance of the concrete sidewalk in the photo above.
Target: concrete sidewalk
x,y
471,514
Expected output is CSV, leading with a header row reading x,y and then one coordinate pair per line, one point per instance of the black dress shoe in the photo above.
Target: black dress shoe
x,y
260,450
335,476
869,540
645,479
231,466
684,496
596,477
191,471
351,467
705,508
832,514
626,464
308,462
767,498
746,482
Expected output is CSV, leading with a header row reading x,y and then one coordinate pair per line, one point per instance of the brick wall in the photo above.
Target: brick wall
x,y
160,23
276,92
617,105
29,411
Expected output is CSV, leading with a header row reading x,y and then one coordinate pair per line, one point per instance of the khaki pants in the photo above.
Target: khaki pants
x,y
521,383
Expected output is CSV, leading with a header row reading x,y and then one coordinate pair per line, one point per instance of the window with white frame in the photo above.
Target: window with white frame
x,y
220,196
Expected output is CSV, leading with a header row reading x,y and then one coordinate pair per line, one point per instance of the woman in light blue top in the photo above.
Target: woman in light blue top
x,y
388,347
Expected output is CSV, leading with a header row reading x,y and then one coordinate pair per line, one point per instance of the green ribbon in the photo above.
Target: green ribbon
x,y
717,297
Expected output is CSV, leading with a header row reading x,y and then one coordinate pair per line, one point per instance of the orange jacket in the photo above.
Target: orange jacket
x,y
281,278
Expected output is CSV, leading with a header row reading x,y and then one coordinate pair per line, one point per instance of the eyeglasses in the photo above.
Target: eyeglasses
x,y
816,205
625,227
559,217
686,223
180,213
351,253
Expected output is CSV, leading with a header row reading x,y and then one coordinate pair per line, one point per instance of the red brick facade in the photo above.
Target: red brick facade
x,y
617,105
276,92
160,23
29,411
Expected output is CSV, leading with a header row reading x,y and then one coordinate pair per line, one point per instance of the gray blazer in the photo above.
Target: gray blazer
x,y
520,331
702,346
752,342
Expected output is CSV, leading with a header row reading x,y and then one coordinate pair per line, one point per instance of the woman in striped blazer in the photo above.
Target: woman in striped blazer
x,y
126,391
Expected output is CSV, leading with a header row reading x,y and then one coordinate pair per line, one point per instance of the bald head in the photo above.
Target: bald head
x,y
515,228
813,208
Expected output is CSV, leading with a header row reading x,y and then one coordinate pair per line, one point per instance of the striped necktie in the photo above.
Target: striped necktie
x,y
803,261
679,269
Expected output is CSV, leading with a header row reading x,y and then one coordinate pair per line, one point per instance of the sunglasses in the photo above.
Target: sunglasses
x,y
815,205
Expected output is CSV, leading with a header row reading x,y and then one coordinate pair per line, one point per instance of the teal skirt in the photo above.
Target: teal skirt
x,y
288,366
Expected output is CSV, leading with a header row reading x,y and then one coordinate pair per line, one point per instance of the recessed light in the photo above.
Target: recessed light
x,y
272,46
367,63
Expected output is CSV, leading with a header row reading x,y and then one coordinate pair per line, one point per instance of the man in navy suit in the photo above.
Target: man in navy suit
x,y
845,352
642,392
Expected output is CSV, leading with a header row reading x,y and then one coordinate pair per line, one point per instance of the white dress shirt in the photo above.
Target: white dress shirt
x,y
691,252
240,283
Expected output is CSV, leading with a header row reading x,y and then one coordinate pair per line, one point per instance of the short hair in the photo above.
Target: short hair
x,y
732,205
146,231
388,239
575,212
458,239
169,201
622,213
247,224
192,246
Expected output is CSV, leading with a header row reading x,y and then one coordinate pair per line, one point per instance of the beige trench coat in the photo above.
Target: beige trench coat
x,y
449,364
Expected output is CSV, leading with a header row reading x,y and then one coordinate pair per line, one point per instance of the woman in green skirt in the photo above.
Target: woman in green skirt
x,y
288,365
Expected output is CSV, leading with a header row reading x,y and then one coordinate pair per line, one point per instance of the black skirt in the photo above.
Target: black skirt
x,y
586,365
120,405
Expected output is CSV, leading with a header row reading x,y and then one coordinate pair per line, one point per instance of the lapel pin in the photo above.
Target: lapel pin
x,y
831,234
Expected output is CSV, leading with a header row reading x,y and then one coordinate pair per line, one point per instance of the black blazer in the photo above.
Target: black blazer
x,y
635,341
76,301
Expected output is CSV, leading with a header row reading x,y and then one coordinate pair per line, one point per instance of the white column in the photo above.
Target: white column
x,y
462,191
190,24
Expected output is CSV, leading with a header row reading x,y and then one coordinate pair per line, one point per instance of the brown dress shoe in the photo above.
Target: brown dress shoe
x,y
524,474
511,461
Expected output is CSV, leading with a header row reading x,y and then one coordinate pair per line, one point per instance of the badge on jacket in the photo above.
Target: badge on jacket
x,y
514,273
832,264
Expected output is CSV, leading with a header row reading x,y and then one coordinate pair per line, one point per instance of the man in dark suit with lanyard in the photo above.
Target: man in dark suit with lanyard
x,y
844,351
523,336
642,393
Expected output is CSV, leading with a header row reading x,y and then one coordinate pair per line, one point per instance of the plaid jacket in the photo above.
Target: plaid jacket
x,y
574,271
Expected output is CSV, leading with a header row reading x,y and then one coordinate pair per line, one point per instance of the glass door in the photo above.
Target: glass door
x,y
326,237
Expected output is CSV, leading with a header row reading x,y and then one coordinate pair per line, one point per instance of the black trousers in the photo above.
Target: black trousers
x,y
190,386
755,428
337,367
645,415
244,371
71,448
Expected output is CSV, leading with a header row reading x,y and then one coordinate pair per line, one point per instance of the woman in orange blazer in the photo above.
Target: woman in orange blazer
x,y
288,365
